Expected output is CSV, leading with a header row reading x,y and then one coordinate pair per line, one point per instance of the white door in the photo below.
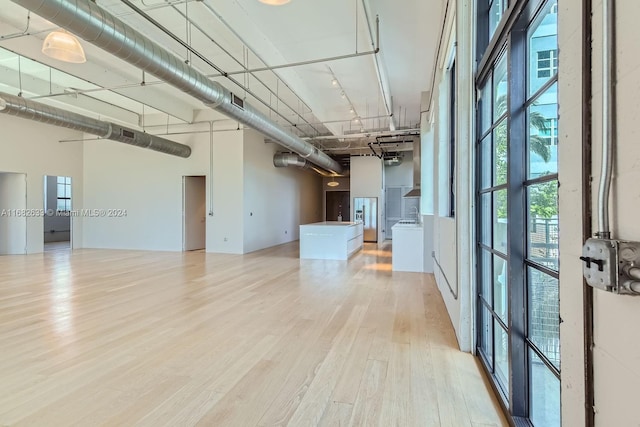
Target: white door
x,y
194,212
13,219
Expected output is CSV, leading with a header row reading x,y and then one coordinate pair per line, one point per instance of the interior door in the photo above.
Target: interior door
x,y
13,219
194,213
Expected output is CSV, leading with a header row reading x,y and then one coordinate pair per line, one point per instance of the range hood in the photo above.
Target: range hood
x,y
415,191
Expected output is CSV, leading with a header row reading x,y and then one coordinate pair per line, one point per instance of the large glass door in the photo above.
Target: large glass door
x,y
517,225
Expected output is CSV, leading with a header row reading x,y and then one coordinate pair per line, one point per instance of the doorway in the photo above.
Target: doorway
x,y
337,206
194,212
13,213
57,207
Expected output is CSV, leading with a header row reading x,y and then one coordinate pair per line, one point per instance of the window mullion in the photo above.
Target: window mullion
x,y
517,214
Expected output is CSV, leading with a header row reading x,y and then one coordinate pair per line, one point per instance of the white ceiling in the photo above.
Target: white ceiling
x,y
302,30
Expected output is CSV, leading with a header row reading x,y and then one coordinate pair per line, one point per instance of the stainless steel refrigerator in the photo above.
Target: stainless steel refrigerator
x,y
366,210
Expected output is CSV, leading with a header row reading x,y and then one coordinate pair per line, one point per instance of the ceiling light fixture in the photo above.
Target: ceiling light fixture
x,y
342,94
334,82
63,46
274,2
333,183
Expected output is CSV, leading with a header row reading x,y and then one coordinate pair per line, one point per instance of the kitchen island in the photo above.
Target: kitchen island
x,y
330,240
408,248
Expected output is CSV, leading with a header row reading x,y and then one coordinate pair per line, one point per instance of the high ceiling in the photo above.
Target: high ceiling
x,y
352,95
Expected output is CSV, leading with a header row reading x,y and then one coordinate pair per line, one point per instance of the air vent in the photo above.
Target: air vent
x,y
237,101
127,133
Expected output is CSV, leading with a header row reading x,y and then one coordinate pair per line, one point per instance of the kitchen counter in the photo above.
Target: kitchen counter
x,y
408,247
330,240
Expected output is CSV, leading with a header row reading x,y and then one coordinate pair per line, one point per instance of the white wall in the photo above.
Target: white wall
x,y
276,200
225,228
145,183
34,148
13,226
401,175
255,205
617,344
367,180
451,238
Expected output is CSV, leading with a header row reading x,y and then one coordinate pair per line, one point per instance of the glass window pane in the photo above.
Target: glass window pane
x,y
543,134
67,180
486,118
61,206
486,334
486,162
500,284
61,188
486,219
544,314
543,49
486,285
544,394
60,179
495,13
500,221
502,360
500,141
542,244
500,88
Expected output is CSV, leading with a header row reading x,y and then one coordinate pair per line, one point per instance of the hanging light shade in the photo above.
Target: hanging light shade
x,y
333,183
274,2
63,46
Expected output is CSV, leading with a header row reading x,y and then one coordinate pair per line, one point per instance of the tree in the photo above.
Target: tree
x,y
543,197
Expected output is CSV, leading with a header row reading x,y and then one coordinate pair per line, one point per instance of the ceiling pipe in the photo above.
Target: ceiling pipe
x,y
283,160
32,110
87,20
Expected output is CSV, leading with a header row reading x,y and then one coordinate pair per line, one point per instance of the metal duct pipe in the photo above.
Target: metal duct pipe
x,y
32,110
87,20
283,160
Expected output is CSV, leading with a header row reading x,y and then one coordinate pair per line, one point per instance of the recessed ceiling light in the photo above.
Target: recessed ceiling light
x,y
274,2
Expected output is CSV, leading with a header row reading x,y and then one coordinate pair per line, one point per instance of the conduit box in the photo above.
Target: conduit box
x,y
612,265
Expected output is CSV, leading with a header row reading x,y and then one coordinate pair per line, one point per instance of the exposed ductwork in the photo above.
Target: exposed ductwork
x,y
417,175
20,107
283,160
87,20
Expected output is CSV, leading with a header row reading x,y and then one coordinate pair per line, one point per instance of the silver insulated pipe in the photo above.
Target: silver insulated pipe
x,y
284,160
20,107
87,20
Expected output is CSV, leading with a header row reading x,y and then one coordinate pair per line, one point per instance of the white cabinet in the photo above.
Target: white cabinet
x,y
330,240
407,252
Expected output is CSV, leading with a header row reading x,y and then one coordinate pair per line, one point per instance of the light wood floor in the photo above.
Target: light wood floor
x,y
101,337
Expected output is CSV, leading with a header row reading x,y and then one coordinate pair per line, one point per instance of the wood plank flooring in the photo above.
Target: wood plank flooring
x,y
117,338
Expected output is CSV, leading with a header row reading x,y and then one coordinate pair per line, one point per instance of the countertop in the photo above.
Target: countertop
x,y
407,226
338,223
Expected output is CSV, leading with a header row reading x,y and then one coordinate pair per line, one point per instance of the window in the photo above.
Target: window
x,y
547,63
549,133
452,141
517,322
64,194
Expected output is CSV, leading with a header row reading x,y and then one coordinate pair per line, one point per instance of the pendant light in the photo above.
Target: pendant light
x,y
274,2
63,46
